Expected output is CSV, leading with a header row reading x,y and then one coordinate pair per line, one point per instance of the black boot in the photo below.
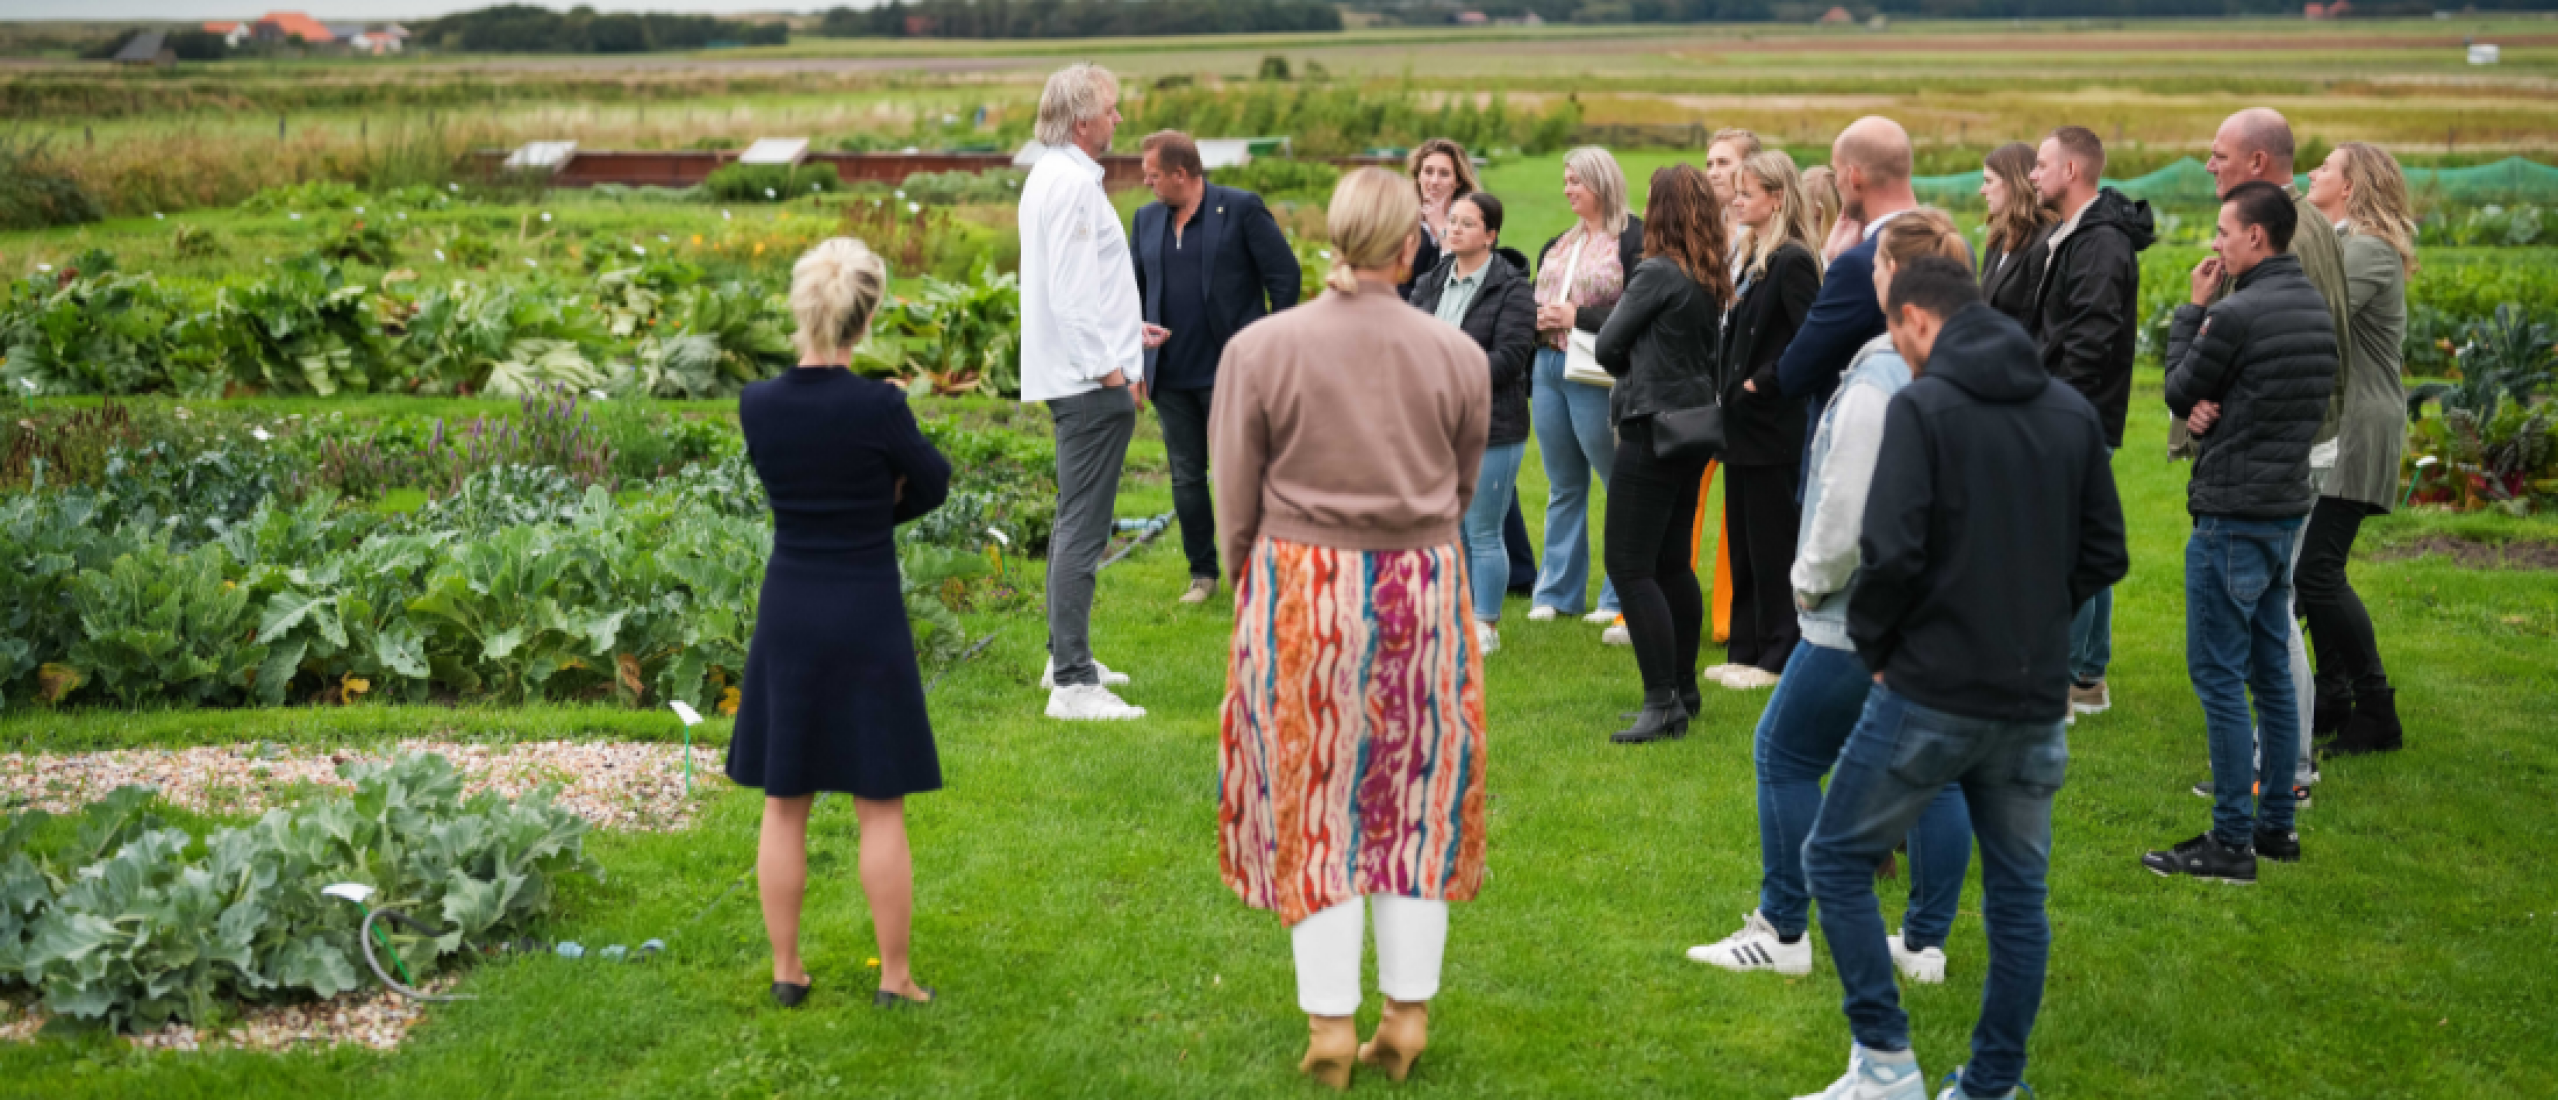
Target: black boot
x,y
2330,710
2374,727
1689,696
1662,718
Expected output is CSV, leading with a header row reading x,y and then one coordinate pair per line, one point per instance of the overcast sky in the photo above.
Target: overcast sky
x,y
350,10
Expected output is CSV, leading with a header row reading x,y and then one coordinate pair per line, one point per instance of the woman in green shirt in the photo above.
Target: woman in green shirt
x,y
2362,191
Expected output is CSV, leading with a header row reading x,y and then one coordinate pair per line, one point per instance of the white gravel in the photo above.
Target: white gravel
x,y
375,1018
613,785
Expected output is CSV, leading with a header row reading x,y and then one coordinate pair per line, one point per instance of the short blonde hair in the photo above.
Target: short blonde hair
x,y
1076,93
1599,173
1373,214
834,290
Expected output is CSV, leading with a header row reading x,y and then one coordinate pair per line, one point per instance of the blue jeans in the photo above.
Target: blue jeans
x,y
1576,439
1809,717
1893,769
2091,637
2238,636
1487,556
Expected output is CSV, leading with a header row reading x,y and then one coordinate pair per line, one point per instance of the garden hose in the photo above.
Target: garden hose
x,y
370,932
1147,530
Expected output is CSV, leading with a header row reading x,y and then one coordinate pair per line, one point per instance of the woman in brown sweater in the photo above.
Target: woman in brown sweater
x,y
1347,435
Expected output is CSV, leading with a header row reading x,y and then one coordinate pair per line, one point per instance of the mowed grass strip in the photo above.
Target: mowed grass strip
x,y
1070,912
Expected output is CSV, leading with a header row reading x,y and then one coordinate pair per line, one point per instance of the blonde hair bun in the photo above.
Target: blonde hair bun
x,y
834,290
1373,213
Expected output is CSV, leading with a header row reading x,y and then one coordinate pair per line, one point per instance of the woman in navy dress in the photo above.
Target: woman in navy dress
x,y
832,699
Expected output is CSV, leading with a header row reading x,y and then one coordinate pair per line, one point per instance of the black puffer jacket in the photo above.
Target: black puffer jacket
x,y
1503,321
1660,343
2087,313
2267,354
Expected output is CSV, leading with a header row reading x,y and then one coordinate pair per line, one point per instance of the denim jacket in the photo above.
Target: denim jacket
x,y
1880,368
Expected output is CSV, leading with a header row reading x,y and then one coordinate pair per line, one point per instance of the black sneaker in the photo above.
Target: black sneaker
x,y
2282,847
2205,858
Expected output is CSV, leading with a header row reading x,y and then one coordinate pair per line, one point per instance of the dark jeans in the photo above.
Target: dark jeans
x,y
1184,414
1092,445
1810,716
2339,629
1895,766
1523,555
2238,639
1759,516
1651,509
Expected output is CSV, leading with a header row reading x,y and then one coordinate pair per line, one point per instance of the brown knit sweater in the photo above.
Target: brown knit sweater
x,y
1355,422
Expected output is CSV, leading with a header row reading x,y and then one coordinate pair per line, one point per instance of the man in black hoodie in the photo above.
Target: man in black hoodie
x,y
2087,311
1992,515
2250,378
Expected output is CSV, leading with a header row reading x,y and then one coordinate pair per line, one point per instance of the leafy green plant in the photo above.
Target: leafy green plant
x,y
130,929
360,242
303,330
195,242
103,333
771,182
497,339
157,622
2508,357
955,338
996,186
1277,178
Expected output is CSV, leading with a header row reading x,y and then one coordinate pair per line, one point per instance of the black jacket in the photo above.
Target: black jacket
x,y
2267,354
1763,427
1503,321
1659,342
2088,309
1991,518
2009,280
1251,263
1629,255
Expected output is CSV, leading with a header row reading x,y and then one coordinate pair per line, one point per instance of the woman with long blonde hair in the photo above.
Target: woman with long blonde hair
x,y
2012,252
1580,275
2362,191
1779,275
1348,436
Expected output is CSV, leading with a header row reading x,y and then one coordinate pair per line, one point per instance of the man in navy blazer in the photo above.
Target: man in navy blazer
x,y
1209,261
1871,160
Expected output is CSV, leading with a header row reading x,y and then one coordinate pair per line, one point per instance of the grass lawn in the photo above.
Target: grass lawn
x,y
1071,915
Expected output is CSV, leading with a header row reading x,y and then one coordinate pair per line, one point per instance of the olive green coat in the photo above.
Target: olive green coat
x,y
2373,429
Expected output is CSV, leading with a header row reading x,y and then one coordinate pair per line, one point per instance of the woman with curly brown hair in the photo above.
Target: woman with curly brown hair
x,y
1660,341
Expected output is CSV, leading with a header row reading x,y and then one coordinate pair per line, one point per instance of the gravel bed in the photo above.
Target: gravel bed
x,y
612,784
375,1018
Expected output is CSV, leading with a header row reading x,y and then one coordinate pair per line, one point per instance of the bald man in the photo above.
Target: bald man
x,y
2252,145
1871,159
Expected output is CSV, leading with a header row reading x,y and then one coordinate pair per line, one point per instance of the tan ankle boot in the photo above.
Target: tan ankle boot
x,y
1331,1048
1401,1035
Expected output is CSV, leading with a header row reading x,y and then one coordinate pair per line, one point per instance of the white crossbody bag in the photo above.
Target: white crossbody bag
x,y
1581,349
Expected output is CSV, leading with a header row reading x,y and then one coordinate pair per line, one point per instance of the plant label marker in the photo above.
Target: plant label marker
x,y
685,713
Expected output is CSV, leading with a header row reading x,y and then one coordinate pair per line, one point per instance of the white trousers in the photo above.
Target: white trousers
x,y
1412,938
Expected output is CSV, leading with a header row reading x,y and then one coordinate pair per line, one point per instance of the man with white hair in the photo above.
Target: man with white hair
x,y
1083,354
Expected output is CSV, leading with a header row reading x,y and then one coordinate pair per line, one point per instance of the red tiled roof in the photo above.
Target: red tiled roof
x,y
220,28
294,22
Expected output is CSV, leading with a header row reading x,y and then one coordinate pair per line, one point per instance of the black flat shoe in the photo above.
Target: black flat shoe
x,y
886,999
791,996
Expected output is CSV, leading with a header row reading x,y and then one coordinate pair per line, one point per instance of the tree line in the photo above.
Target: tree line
x,y
1075,18
523,28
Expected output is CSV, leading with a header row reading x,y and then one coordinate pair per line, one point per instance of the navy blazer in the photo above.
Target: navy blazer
x,y
1250,262
1842,320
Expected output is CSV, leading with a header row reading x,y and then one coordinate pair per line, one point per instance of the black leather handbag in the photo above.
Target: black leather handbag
x,y
1688,434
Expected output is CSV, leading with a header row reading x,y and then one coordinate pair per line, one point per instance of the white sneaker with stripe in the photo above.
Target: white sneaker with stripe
x,y
1756,947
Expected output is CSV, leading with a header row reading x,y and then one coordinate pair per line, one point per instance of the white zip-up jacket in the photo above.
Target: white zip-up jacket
x,y
1080,318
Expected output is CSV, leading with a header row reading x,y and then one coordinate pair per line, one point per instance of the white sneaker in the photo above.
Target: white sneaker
x,y
1718,672
1109,679
1755,947
1748,678
1488,637
1090,703
1954,1088
1926,967
1600,618
1541,614
1616,635
1875,1075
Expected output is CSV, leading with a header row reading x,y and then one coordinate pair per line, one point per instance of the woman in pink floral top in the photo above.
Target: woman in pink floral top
x,y
1579,278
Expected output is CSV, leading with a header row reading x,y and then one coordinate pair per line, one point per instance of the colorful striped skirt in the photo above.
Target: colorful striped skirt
x,y
1352,754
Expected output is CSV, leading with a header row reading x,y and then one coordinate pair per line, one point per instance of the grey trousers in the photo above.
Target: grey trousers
x,y
1092,446
2304,686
